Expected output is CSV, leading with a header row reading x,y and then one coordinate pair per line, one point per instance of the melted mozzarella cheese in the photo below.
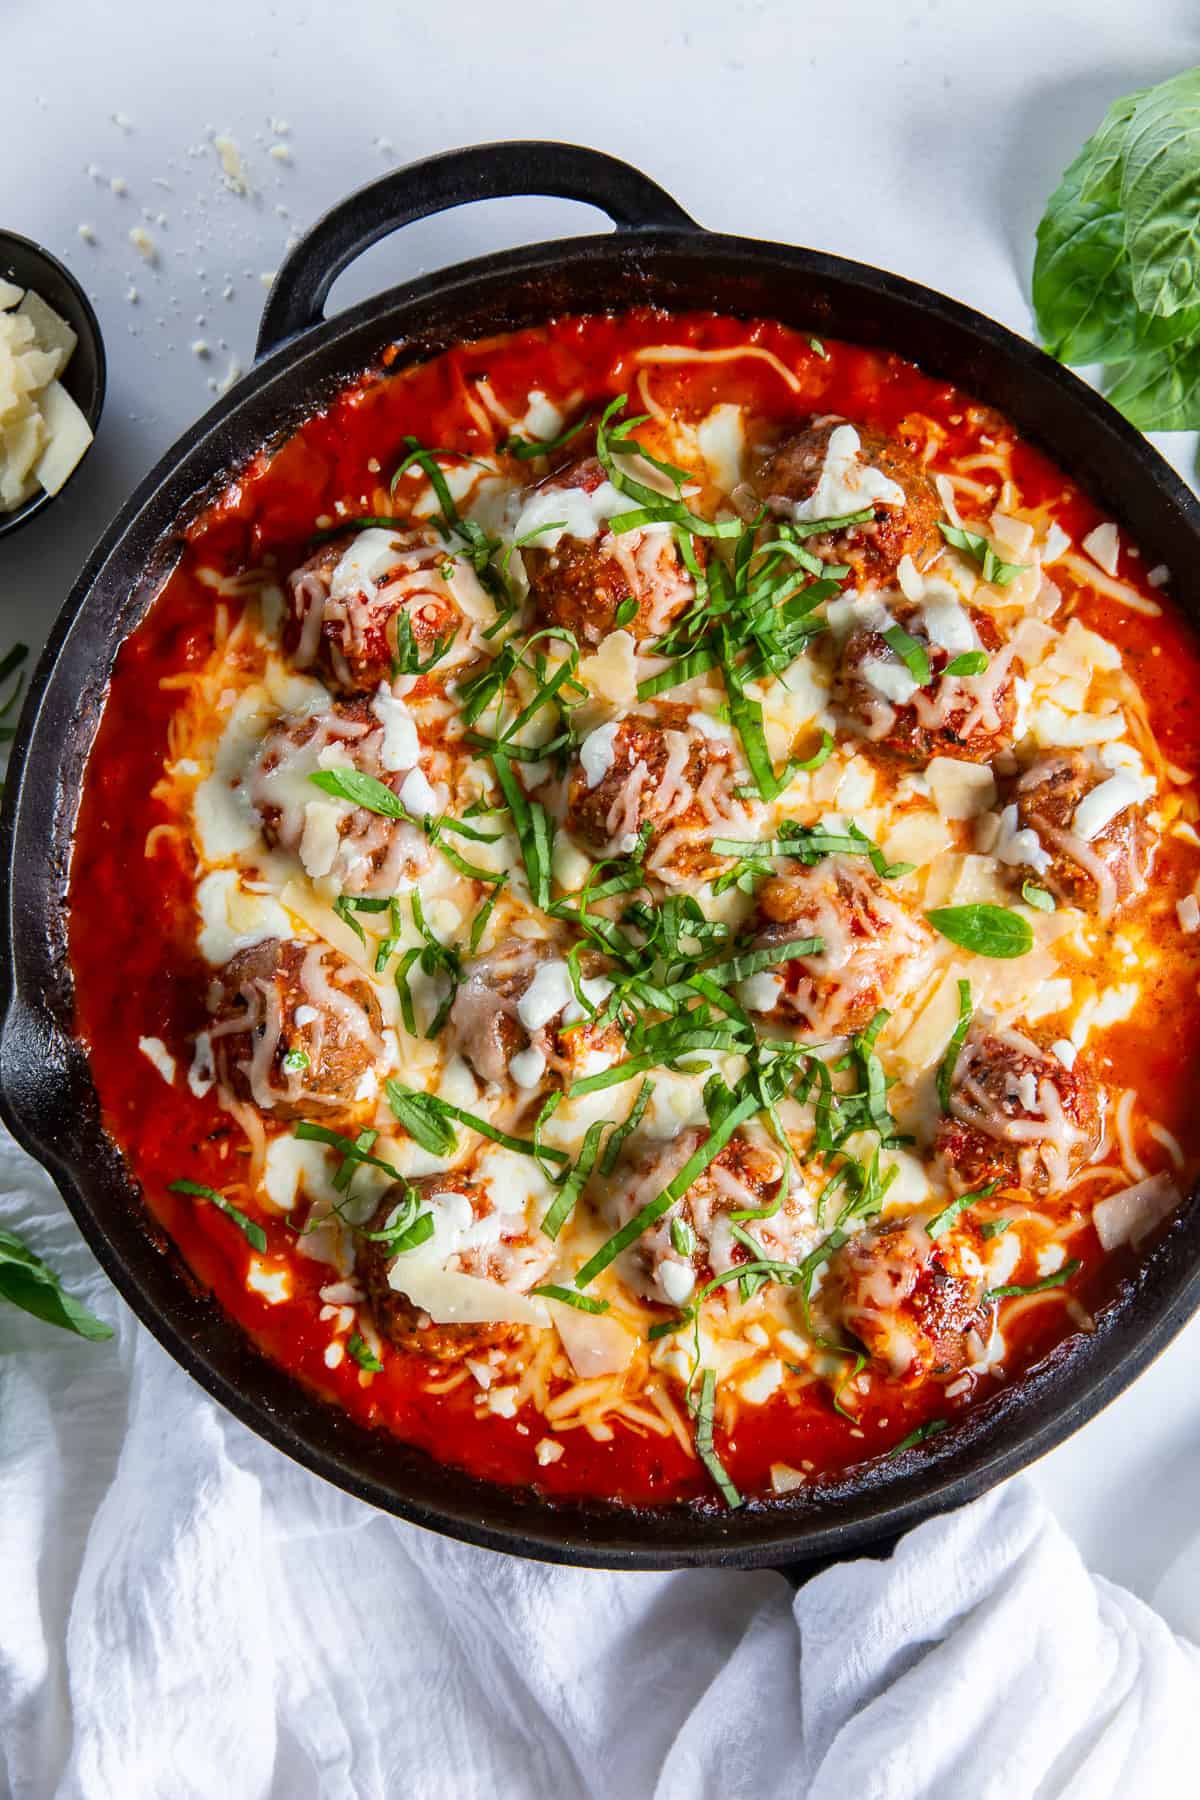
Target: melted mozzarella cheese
x,y
551,514
846,483
364,563
598,752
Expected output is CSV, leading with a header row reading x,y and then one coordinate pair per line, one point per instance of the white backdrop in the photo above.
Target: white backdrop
x,y
921,135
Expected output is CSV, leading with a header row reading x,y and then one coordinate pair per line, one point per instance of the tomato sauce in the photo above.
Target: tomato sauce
x,y
132,918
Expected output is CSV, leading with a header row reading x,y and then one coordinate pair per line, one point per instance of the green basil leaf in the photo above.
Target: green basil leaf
x,y
928,1430
570,1297
985,929
1160,195
949,1062
363,1354
1058,1279
1160,390
361,790
31,1284
971,662
1037,897
991,567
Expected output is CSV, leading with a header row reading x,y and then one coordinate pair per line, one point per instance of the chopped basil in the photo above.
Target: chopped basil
x,y
1037,897
534,831
739,967
941,1223
815,344
971,662
350,1151
363,1354
573,1186
985,929
612,1149
425,1125
569,1297
407,1232
692,1169
295,1061
30,1284
928,1430
949,1062
704,1409
627,611
991,567
912,654
361,790
254,1234
994,1227
1035,1287
526,449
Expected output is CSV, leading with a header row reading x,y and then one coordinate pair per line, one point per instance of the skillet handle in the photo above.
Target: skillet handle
x,y
437,184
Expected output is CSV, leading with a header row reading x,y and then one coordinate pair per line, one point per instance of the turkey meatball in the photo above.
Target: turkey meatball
x,y
872,949
581,573
346,604
833,469
472,1236
296,1029
509,1017
907,1298
877,695
1091,843
693,1241
1018,1115
361,851
665,773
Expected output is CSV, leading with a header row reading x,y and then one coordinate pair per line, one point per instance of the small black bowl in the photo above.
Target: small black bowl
x,y
27,264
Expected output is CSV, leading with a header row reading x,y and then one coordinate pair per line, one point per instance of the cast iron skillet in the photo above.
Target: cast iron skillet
x,y
657,255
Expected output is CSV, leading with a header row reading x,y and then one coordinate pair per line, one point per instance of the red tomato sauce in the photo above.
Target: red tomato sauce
x,y
132,918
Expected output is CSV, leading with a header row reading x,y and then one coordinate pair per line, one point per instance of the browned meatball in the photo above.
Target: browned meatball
x,y
873,950
363,852
1108,870
971,717
745,1173
296,1029
495,1246
345,604
509,1012
1018,1116
664,773
909,1299
874,549
581,583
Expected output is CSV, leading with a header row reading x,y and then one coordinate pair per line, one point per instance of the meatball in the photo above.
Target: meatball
x,y
665,773
1017,1115
472,1236
1099,869
693,1241
971,717
873,950
359,850
509,1012
832,469
346,603
908,1299
296,1029
581,574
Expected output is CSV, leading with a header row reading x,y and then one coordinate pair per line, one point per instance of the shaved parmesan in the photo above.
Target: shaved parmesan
x,y
156,1053
961,790
1129,1216
1097,810
451,1298
68,435
595,1343
846,483
611,673
1103,545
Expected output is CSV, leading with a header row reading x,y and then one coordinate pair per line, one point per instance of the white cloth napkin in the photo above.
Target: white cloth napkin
x,y
185,1613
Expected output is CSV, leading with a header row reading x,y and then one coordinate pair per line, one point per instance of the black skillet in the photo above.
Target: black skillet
x,y
658,256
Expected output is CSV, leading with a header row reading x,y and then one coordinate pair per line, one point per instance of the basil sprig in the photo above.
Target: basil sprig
x,y
991,566
31,1284
254,1234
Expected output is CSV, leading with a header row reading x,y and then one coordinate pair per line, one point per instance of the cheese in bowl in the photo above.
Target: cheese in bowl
x,y
43,433
635,906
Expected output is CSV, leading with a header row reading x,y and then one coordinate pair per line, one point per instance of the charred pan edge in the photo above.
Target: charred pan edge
x,y
46,1092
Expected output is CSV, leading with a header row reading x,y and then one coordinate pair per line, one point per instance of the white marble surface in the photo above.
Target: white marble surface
x,y
921,135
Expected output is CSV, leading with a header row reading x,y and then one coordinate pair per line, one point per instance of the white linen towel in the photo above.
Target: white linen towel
x,y
185,1613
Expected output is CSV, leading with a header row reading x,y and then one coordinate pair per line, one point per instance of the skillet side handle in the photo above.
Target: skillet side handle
x,y
797,1574
439,183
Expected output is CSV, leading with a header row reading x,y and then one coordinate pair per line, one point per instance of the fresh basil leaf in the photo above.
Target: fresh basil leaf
x,y
704,1411
526,449
815,344
985,929
1160,195
941,1222
683,1238
1159,391
626,612
254,1234
912,654
31,1284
